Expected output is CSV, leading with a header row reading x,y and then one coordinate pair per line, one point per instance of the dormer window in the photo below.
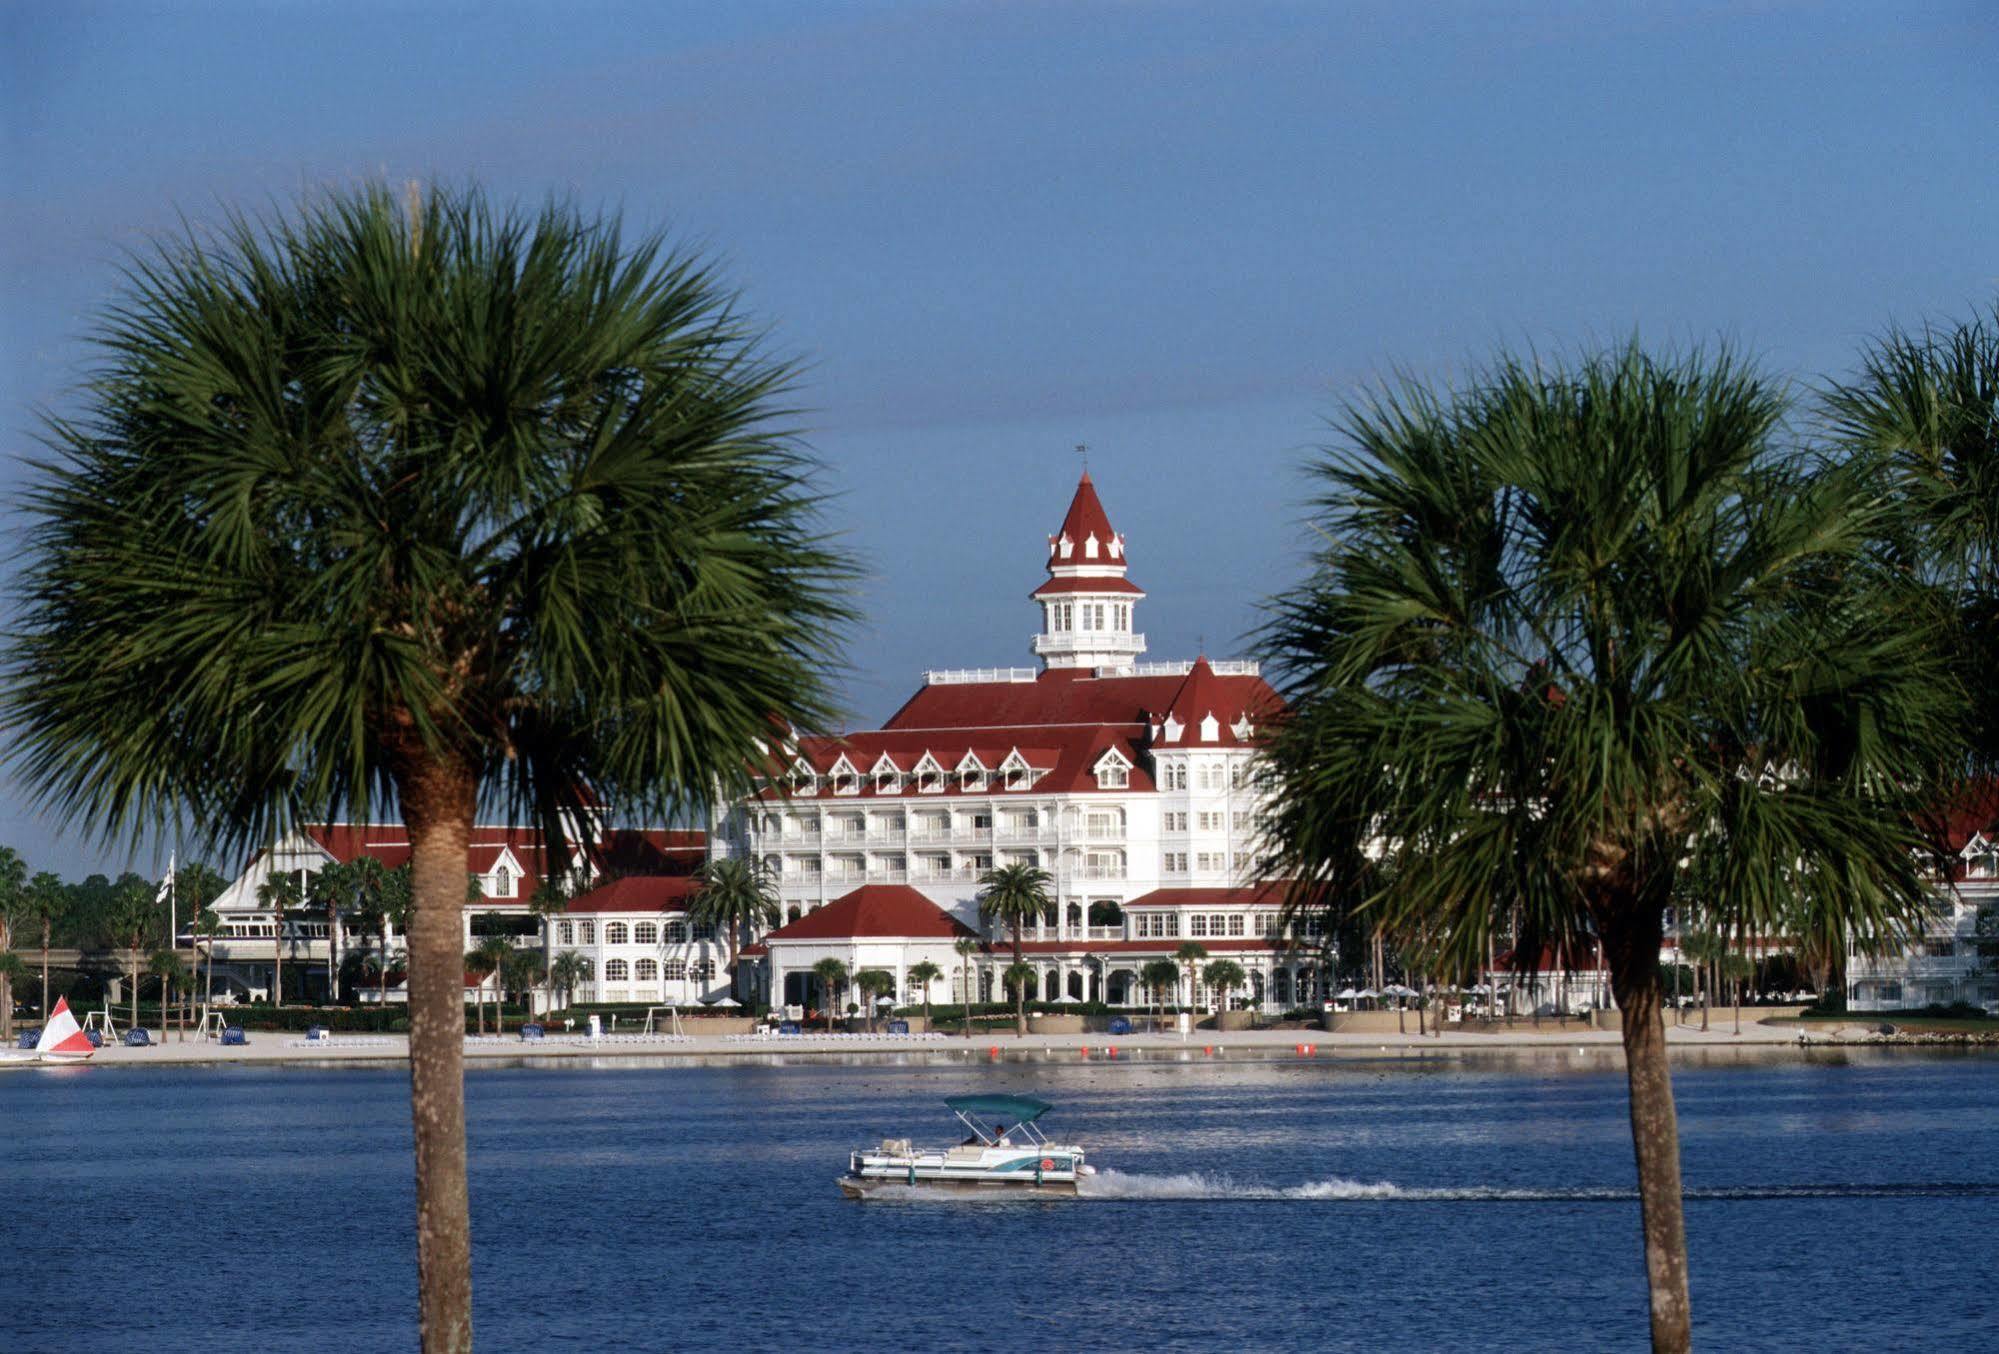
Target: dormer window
x,y
503,883
1090,546
804,780
1066,547
929,776
1019,776
1113,771
888,776
846,780
1211,729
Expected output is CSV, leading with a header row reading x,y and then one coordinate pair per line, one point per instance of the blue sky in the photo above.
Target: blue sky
x,y
1180,233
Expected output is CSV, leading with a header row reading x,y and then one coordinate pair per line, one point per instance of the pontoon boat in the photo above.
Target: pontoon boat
x,y
1010,1154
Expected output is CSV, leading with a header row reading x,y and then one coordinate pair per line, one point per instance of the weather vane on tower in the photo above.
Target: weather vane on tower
x,y
1083,450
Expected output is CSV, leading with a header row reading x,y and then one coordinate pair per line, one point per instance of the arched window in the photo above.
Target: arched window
x,y
676,932
646,970
646,933
676,970
701,970
616,970
503,883
617,933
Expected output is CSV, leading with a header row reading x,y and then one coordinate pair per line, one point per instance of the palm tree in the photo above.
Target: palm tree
x,y
1160,977
280,890
416,507
1574,626
12,968
832,976
568,969
166,966
873,983
966,947
13,905
132,916
208,925
46,900
735,895
1191,953
522,971
1704,949
493,952
1224,976
1019,978
332,887
923,973
1014,895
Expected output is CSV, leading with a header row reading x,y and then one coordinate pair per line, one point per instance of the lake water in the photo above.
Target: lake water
x,y
1850,1201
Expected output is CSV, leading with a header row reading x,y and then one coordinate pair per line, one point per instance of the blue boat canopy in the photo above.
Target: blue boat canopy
x,y
1020,1109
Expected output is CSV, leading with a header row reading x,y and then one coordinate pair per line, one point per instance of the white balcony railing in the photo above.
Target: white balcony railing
x,y
1089,641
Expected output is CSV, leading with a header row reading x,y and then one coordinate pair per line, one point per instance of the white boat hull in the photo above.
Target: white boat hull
x,y
1045,1168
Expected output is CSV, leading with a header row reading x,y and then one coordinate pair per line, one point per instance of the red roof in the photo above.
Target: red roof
x,y
1056,587
1063,758
893,910
638,893
658,851
1269,894
1066,696
1199,698
1086,518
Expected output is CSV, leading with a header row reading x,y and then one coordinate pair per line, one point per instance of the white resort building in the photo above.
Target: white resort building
x,y
1128,782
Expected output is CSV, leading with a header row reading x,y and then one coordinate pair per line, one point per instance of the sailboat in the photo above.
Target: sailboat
x,y
62,1041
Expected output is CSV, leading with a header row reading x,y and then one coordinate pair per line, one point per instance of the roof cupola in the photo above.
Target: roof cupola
x,y
1087,604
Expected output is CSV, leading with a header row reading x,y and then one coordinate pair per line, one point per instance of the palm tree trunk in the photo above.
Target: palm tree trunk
x,y
45,969
1633,949
438,803
135,987
1019,989
278,959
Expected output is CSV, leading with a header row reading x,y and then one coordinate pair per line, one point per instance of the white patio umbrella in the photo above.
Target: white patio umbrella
x,y
1345,994
725,1001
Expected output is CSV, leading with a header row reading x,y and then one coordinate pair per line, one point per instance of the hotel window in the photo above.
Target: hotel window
x,y
503,883
676,933
1112,776
705,930
1211,822
617,933
1235,924
1173,926
565,933
616,971
846,782
975,782
1211,776
1068,616
1197,925
675,970
888,782
1174,862
1176,775
701,970
646,933
1239,775
804,783
1019,777
1271,929
646,970
1216,923
1124,615
586,932
1210,860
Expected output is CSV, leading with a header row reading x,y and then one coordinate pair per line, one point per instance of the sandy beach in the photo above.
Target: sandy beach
x,y
293,1048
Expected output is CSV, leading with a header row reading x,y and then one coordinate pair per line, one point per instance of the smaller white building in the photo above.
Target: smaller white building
x,y
890,927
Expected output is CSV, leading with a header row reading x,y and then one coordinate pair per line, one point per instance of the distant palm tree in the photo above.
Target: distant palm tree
x,y
492,952
132,917
567,971
12,967
1160,977
923,973
521,972
873,983
208,925
966,947
280,890
734,894
47,898
1190,954
1014,895
420,508
166,966
1019,978
13,906
1224,976
1575,624
832,975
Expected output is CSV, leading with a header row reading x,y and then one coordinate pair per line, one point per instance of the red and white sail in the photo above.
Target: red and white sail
x,y
63,1040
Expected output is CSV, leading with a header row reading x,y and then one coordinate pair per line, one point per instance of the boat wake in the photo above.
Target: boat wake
x,y
1119,1186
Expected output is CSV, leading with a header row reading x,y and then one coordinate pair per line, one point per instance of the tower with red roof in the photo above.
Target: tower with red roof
x,y
1087,603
